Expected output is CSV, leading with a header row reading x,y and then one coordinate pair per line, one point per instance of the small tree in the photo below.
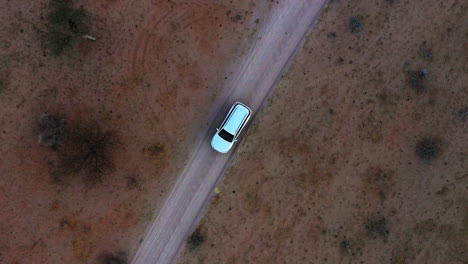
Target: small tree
x,y
88,153
65,25
83,149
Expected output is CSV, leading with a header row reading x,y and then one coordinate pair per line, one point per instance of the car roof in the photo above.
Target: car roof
x,y
237,117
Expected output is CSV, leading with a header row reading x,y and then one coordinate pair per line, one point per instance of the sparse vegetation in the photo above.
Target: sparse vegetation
x,y
52,130
196,238
378,227
155,150
379,182
83,150
65,25
114,259
428,148
236,18
417,80
425,51
425,227
346,246
463,113
331,35
399,257
88,153
133,182
356,25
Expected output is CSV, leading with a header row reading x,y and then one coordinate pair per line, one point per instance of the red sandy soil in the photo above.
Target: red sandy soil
x,y
334,152
151,76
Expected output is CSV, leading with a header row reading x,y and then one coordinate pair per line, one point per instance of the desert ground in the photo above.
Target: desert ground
x,y
135,97
360,154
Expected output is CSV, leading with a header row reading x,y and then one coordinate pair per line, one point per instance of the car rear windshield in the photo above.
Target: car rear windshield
x,y
226,135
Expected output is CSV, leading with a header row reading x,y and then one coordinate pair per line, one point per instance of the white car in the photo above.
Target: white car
x,y
231,127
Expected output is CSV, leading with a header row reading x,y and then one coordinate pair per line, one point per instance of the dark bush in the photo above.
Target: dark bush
x,y
65,25
356,25
52,130
346,246
378,227
133,182
88,153
196,238
113,259
428,148
416,80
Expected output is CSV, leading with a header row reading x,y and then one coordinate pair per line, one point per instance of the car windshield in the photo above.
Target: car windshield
x,y
226,135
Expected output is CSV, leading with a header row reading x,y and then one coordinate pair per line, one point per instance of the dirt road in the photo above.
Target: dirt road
x,y
252,83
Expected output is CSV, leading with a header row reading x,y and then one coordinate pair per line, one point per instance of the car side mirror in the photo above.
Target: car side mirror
x,y
217,129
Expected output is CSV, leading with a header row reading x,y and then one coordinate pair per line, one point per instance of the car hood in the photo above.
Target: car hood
x,y
220,145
